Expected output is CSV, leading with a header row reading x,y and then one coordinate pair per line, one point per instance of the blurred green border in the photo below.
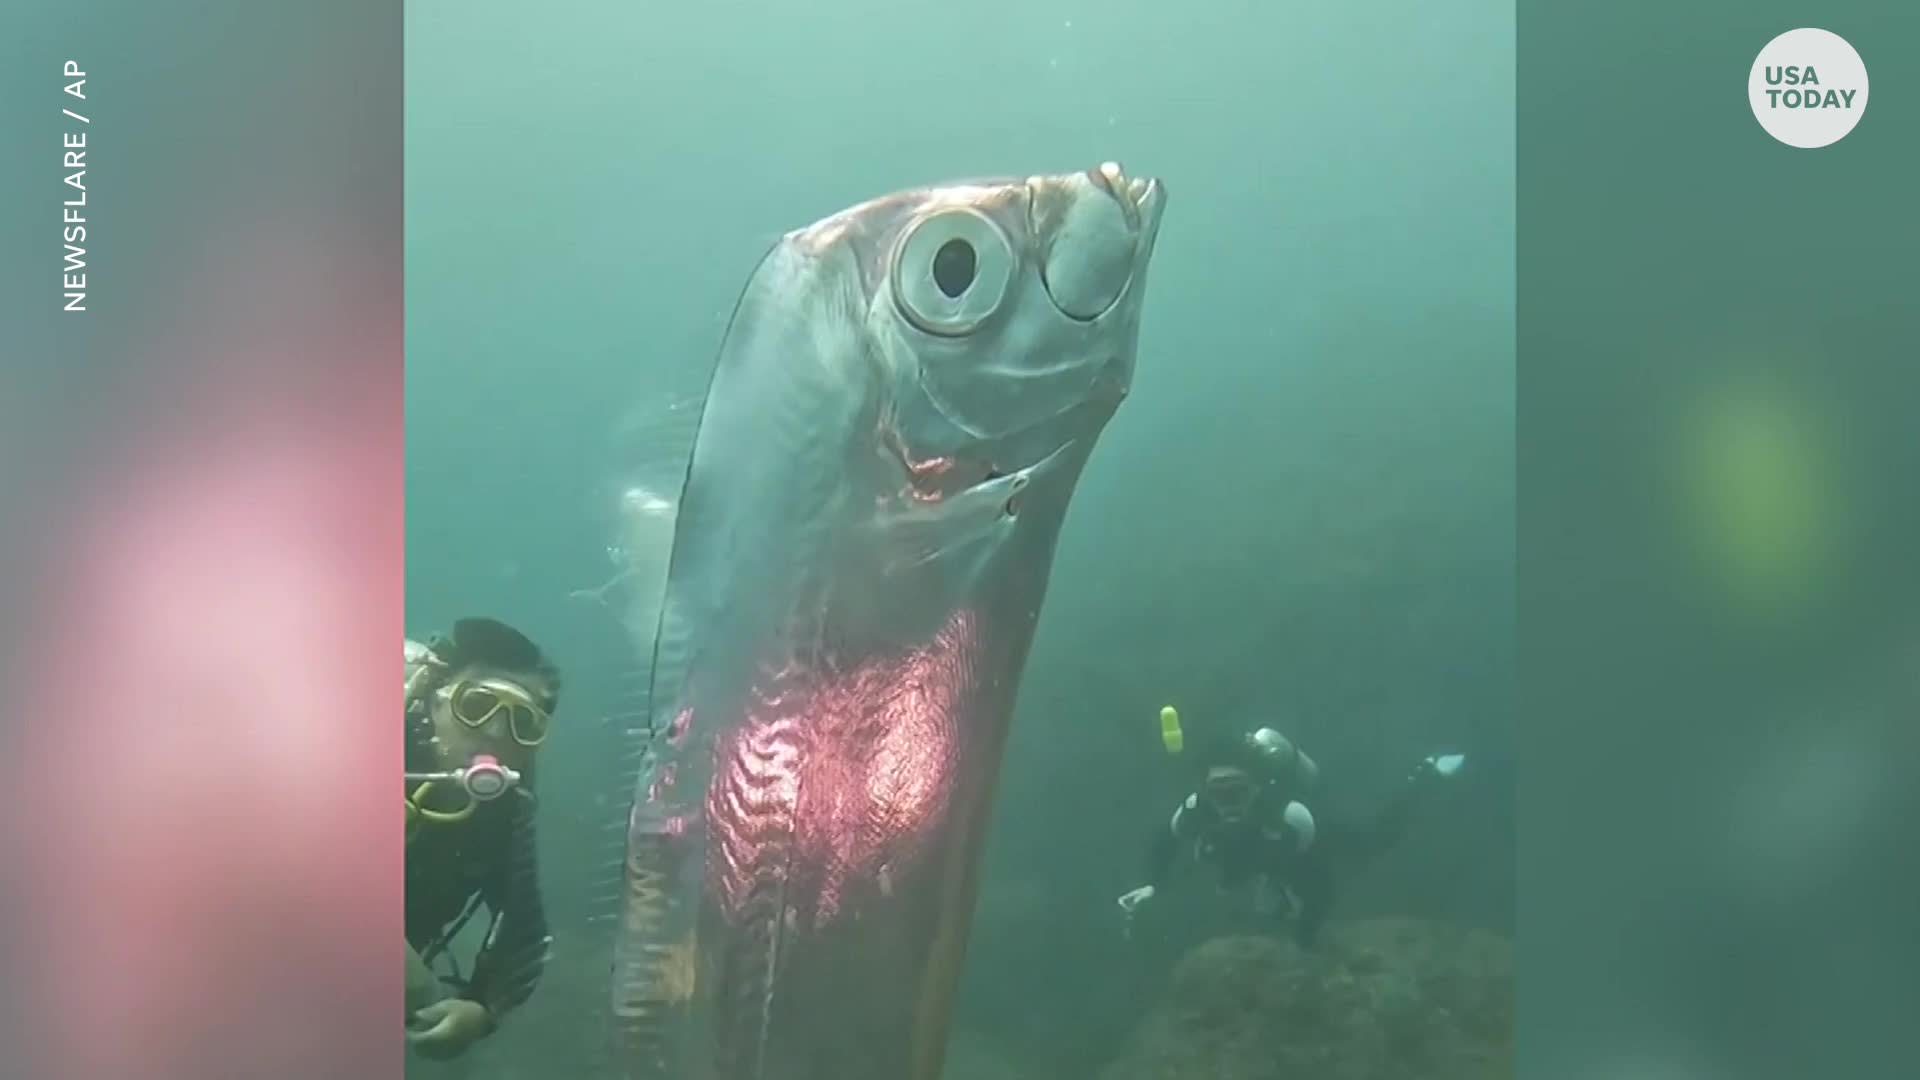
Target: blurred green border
x,y
1717,346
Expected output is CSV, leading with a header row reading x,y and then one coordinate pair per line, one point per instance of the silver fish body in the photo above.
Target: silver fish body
x,y
905,399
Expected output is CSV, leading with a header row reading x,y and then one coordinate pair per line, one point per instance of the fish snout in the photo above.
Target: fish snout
x,y
1135,195
1093,231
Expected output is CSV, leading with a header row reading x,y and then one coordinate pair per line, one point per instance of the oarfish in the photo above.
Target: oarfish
x,y
903,403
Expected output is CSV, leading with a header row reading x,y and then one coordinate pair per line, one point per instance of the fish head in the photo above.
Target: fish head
x,y
1005,314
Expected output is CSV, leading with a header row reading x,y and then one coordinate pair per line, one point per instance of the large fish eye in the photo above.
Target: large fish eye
x,y
950,271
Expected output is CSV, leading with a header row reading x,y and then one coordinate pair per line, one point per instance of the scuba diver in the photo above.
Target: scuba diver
x,y
1249,820
478,706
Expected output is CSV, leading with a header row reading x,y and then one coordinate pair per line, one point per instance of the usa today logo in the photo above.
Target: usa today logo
x,y
1808,88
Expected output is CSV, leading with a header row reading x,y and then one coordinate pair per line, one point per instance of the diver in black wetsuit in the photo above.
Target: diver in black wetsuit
x,y
1249,820
478,706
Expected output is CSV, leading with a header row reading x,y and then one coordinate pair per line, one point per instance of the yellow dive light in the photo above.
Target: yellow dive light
x,y
1170,729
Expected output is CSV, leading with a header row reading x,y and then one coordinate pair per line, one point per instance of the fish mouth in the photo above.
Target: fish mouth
x,y
1103,262
1135,195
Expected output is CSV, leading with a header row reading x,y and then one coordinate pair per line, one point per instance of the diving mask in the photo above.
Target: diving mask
x,y
475,703
1231,792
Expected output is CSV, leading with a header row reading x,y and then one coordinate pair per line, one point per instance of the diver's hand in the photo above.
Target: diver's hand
x,y
446,1028
1130,903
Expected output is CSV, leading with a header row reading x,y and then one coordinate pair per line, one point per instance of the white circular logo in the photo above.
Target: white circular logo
x,y
1808,88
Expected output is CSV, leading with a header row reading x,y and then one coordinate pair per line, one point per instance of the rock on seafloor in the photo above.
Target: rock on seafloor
x,y
1381,999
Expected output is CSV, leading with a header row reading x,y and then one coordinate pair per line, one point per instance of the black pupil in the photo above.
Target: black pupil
x,y
953,267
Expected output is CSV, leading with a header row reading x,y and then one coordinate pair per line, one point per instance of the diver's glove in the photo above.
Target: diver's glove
x,y
446,1028
1299,822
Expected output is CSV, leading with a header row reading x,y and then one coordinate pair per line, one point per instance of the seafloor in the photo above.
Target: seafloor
x,y
1378,999
1383,999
